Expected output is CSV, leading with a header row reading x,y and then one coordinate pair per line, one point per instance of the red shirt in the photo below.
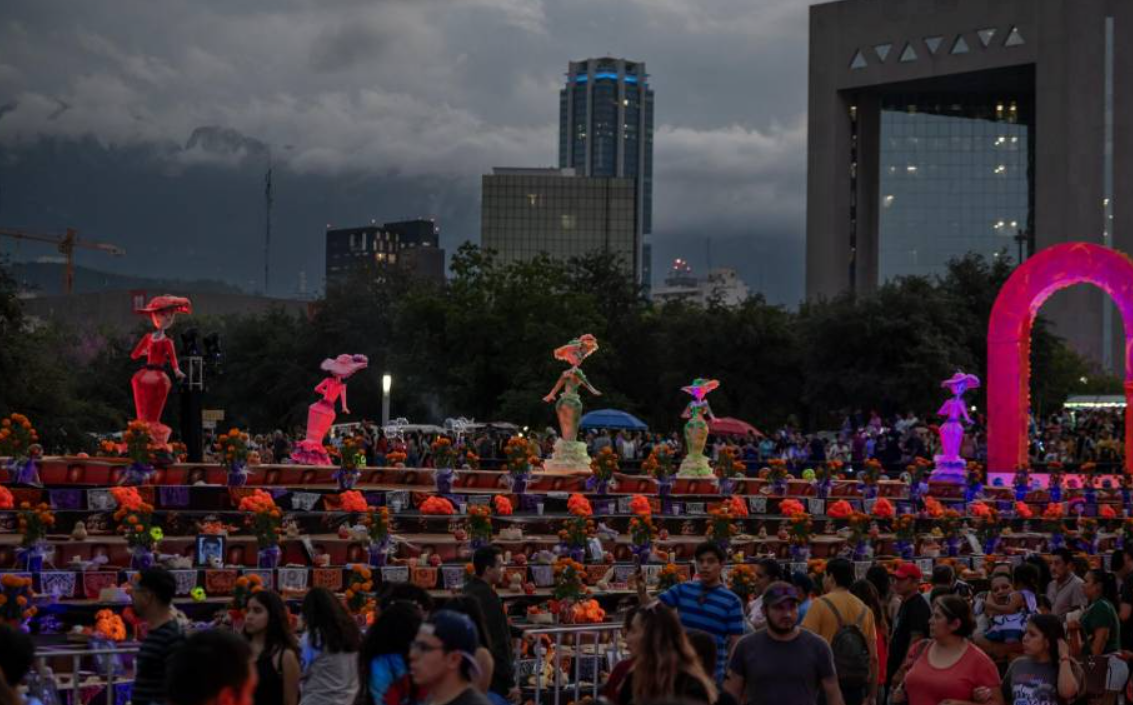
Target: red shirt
x,y
927,685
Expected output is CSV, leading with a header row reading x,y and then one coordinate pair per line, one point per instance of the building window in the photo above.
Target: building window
x,y
569,221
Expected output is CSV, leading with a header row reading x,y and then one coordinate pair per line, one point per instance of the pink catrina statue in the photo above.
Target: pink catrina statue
x,y
320,415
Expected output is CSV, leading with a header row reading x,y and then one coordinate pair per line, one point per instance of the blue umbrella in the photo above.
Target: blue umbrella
x,y
612,418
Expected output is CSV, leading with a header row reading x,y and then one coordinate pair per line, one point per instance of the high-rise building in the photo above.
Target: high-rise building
x,y
411,246
527,212
606,130
929,138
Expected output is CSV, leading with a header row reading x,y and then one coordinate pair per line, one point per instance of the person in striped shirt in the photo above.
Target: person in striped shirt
x,y
706,603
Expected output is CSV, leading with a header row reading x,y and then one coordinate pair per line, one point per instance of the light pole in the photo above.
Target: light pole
x,y
387,383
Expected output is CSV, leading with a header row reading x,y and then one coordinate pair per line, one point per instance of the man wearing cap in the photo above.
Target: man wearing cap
x,y
442,659
783,663
912,619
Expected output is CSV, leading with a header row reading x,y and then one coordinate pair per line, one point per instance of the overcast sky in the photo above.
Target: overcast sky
x,y
384,110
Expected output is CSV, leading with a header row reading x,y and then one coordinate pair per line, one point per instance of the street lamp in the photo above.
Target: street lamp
x,y
387,383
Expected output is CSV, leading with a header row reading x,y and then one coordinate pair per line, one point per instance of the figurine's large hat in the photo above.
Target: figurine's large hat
x,y
345,365
969,381
176,304
700,387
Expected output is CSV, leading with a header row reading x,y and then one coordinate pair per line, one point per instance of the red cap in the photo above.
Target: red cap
x,y
908,570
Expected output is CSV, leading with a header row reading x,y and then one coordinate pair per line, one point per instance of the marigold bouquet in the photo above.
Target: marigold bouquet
x,y
741,580
727,463
569,582
905,527
480,523
444,454
1053,516
17,436
472,460
352,454
722,524
437,505
34,523
1023,510
840,510
604,464
264,517
858,524
578,505
800,527
359,590
778,474
15,598
7,500
396,459
933,507
739,506
502,505
377,522
871,472
641,530
135,518
791,507
353,502
883,509
661,464
108,625
950,523
246,586
233,447
1087,529
589,612
577,531
639,505
669,576
140,446
519,458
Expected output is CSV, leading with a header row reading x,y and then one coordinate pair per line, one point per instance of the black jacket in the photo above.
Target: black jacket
x,y
499,633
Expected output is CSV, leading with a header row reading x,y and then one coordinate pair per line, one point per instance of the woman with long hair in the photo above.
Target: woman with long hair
x,y
1045,673
866,591
1098,631
948,666
329,651
469,606
267,626
383,660
665,664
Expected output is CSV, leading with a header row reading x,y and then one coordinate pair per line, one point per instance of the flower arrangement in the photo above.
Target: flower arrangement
x,y
840,510
377,523
727,463
15,599
778,474
264,518
859,527
135,518
741,580
519,457
933,508
569,583
800,527
108,625
7,500
641,531
905,527
436,505
502,505
883,509
471,460
233,447
950,522
1088,533
589,612
722,525
140,447
639,505
17,436
920,469
791,507
353,502
827,471
739,506
444,454
359,590
661,464
480,524
578,505
604,465
246,586
669,576
986,524
577,531
1106,511
396,458
34,523
1023,510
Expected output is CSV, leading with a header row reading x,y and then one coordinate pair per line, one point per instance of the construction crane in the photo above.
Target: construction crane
x,y
66,245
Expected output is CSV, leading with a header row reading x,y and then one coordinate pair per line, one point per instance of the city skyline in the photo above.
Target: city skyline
x,y
152,128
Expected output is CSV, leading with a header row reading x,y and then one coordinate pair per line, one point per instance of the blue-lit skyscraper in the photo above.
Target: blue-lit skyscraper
x,y
606,129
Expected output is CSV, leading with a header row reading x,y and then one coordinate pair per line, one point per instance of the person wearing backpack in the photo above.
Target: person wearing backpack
x,y
847,624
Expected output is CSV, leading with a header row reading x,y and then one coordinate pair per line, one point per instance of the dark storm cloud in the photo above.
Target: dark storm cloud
x,y
394,109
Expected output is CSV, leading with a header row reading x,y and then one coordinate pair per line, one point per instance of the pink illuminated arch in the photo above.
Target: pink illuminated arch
x,y
1009,339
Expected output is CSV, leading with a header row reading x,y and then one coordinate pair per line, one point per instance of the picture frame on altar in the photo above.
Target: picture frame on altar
x,y
210,546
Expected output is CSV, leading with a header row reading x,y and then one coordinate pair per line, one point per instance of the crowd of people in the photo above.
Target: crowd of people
x,y
1036,631
1084,436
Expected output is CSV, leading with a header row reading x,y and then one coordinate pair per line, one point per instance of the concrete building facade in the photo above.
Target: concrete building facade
x,y
938,127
